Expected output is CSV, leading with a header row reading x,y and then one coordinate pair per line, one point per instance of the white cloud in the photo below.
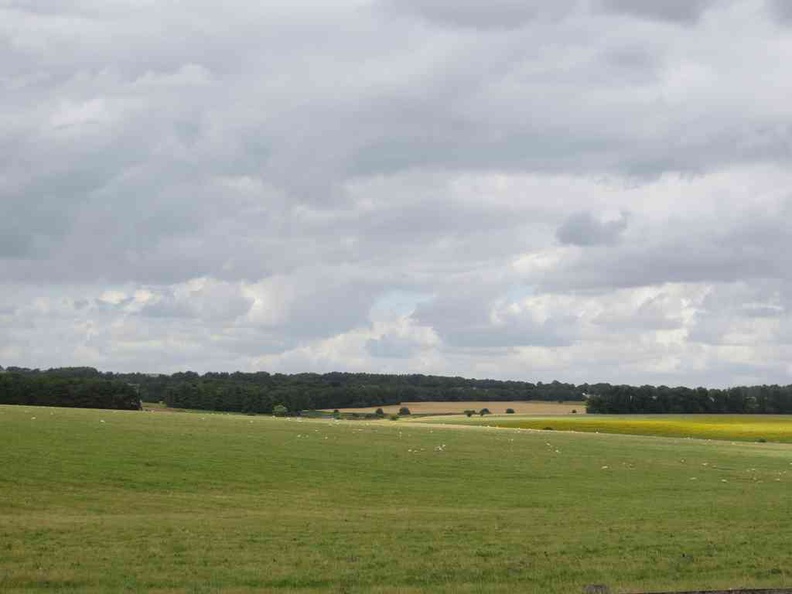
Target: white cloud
x,y
595,190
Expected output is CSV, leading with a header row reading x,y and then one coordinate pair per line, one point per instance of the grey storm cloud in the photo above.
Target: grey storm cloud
x,y
497,14
680,251
671,10
585,229
220,301
781,9
14,244
324,308
656,312
167,307
472,320
250,186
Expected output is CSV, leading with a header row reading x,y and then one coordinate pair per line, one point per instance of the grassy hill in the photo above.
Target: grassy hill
x,y
107,501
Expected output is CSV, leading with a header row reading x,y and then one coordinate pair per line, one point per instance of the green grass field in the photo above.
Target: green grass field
x,y
726,427
113,501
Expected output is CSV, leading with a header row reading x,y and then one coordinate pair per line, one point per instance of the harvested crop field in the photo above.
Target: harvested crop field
x,y
438,408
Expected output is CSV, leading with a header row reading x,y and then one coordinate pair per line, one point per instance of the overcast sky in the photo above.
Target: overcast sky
x,y
591,190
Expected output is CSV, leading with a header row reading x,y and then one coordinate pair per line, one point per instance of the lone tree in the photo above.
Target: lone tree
x,y
484,411
379,412
279,410
469,412
509,411
404,411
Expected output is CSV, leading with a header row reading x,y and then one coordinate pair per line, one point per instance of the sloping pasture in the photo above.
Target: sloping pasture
x,y
112,501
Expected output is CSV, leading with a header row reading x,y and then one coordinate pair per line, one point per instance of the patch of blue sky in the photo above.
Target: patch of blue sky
x,y
517,293
397,304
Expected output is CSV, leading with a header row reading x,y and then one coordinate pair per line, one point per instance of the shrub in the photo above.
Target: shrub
x,y
470,412
394,417
404,411
484,411
379,412
279,410
574,411
509,411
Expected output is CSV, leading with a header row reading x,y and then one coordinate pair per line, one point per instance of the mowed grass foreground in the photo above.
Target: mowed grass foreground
x,y
727,427
114,501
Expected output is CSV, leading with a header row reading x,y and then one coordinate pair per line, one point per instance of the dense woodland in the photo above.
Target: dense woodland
x,y
665,400
260,392
63,388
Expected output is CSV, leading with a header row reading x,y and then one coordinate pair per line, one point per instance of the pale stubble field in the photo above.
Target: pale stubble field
x,y
534,407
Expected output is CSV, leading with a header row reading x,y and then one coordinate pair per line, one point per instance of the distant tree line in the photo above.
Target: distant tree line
x,y
66,388
260,392
665,400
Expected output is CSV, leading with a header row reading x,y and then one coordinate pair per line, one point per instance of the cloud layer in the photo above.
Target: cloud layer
x,y
596,191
